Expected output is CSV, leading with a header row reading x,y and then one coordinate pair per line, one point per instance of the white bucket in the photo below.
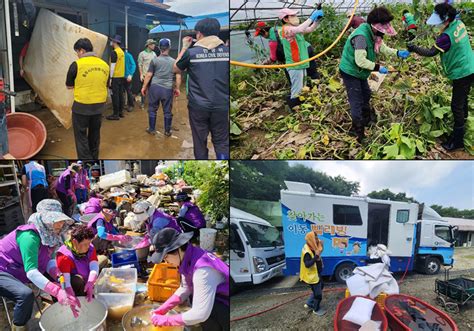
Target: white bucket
x,y
57,317
207,238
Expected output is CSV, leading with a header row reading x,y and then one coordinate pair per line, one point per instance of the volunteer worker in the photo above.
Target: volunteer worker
x,y
65,188
34,180
203,275
190,217
26,256
77,262
117,75
88,77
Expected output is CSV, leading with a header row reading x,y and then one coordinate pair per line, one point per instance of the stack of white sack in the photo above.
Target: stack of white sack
x,y
372,280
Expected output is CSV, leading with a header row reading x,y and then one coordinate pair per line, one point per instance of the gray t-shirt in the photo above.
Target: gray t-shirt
x,y
162,69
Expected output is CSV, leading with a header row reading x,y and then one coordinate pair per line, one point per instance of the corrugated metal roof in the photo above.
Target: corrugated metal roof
x,y
462,223
190,22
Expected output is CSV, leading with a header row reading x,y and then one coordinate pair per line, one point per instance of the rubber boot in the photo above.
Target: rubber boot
x,y
18,328
293,102
457,141
222,156
369,117
357,130
168,126
151,123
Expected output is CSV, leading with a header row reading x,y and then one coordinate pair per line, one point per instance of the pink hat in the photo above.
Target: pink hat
x,y
386,28
286,12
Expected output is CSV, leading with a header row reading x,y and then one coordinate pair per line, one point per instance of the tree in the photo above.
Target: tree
x,y
259,180
454,212
386,194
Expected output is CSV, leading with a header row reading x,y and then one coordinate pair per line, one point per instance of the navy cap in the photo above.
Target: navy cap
x,y
164,43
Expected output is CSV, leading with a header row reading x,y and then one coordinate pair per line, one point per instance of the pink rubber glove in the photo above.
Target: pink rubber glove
x,y
169,304
144,243
89,288
171,320
118,237
56,291
75,303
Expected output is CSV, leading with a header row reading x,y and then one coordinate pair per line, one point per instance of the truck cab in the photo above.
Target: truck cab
x,y
434,243
256,249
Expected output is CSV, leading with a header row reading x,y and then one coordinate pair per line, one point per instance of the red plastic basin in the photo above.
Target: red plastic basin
x,y
26,135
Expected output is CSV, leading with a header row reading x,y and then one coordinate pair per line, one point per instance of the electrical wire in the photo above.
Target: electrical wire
x,y
288,65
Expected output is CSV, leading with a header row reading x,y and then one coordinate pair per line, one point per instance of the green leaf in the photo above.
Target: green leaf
x,y
436,133
439,112
395,131
391,151
425,128
334,85
420,146
408,151
301,153
234,129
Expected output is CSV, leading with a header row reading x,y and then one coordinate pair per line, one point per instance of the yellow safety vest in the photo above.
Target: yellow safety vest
x,y
90,85
119,71
308,275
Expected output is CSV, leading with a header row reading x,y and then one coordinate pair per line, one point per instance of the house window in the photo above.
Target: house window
x,y
403,216
346,215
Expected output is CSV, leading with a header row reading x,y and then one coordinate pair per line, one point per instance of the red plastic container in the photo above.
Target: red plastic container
x,y
399,317
26,135
344,306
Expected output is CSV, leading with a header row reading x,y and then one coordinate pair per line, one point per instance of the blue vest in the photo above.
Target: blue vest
x,y
36,174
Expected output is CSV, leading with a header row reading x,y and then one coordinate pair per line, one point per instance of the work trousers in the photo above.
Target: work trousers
x,y
87,135
219,319
459,100
159,95
117,95
128,90
23,296
81,195
38,193
188,226
67,203
297,80
202,122
358,92
316,295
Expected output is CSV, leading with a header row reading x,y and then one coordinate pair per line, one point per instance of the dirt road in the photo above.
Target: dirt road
x,y
294,316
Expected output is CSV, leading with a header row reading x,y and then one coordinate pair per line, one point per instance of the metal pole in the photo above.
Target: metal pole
x,y
126,27
9,53
179,38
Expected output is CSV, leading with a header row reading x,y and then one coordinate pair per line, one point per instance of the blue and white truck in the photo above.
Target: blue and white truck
x,y
415,234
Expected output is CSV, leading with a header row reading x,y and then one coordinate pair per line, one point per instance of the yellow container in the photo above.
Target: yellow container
x,y
379,299
163,282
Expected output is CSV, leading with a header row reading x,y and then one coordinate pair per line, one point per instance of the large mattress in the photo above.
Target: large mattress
x,y
49,56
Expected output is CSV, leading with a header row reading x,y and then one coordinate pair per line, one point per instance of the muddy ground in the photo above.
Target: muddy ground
x,y
295,317
126,138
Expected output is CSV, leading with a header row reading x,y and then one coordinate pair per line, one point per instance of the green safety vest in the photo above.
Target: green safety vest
x,y
458,61
299,50
271,35
409,19
348,64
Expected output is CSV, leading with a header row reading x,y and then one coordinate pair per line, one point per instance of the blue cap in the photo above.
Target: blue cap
x,y
164,43
434,19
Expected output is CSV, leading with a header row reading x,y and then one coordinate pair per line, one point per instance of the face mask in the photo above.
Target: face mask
x,y
294,20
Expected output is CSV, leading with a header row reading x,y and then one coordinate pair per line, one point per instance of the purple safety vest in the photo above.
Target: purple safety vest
x,y
10,255
195,258
81,177
93,206
194,215
92,224
81,265
61,182
171,221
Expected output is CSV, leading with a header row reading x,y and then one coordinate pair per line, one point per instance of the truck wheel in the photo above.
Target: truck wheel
x,y
343,272
432,266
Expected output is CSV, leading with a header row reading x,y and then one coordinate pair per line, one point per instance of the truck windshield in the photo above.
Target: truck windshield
x,y
261,235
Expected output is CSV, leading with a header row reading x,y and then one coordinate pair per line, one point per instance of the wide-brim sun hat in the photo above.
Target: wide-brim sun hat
x,y
168,240
434,19
284,12
385,28
150,42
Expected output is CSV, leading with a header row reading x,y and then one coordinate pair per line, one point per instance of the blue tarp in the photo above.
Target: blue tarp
x,y
190,22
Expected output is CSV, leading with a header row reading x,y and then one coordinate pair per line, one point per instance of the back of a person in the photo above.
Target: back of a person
x,y
36,174
163,75
208,82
